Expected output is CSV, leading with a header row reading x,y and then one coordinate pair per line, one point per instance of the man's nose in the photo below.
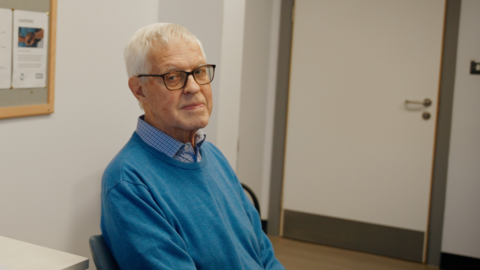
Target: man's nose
x,y
192,86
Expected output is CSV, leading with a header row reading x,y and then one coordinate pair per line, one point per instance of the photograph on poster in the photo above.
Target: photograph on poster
x,y
30,37
5,48
30,30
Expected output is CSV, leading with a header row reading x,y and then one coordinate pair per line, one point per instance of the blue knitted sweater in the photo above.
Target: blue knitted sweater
x,y
160,213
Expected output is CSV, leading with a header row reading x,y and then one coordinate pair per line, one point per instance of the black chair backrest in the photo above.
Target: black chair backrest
x,y
102,257
252,195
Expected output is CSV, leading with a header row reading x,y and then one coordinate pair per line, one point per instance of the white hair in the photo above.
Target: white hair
x,y
137,51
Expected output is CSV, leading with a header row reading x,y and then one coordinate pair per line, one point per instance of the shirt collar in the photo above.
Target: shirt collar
x,y
161,141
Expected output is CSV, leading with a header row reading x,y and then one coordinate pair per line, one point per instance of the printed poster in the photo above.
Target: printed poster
x,y
30,43
5,48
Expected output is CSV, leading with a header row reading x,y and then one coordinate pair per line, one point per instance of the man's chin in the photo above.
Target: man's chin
x,y
197,124
202,125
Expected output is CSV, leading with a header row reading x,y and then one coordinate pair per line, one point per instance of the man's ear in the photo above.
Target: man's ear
x,y
137,88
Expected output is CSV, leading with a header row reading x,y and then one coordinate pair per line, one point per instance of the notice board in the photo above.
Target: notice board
x,y
27,86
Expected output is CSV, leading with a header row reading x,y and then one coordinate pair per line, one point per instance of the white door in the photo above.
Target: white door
x,y
355,150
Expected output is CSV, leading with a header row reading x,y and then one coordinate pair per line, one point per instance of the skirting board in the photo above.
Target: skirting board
x,y
458,262
377,239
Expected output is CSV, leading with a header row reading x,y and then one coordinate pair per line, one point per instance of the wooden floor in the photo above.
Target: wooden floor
x,y
306,256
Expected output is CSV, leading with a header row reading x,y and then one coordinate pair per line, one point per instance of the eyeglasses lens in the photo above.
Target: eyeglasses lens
x,y
203,75
176,80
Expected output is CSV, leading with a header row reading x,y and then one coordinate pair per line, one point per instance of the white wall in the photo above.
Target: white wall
x,y
230,83
260,49
208,29
51,166
461,234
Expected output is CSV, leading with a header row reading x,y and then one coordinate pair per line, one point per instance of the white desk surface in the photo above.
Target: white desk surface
x,y
18,255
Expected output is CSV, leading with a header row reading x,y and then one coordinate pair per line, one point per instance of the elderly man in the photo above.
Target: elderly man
x,y
170,200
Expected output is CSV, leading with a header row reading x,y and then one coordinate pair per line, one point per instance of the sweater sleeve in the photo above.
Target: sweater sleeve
x,y
137,231
267,254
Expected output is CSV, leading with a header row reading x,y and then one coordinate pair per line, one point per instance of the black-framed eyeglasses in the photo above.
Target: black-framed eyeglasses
x,y
175,80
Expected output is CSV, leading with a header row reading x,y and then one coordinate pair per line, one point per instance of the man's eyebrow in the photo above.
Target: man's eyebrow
x,y
167,68
170,67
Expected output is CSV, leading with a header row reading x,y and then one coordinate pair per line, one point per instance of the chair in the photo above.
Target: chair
x,y
252,195
256,204
102,257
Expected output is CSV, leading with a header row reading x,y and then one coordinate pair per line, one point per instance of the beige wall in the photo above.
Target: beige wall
x,y
228,103
260,48
461,234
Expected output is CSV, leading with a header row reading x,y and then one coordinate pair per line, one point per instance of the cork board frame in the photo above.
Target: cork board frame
x,y
47,105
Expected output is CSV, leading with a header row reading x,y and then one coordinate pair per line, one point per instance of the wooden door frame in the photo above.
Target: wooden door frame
x,y
442,136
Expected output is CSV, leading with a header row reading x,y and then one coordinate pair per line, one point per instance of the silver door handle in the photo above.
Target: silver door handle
x,y
426,102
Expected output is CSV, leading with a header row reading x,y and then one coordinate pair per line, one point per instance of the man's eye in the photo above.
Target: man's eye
x,y
172,77
200,71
